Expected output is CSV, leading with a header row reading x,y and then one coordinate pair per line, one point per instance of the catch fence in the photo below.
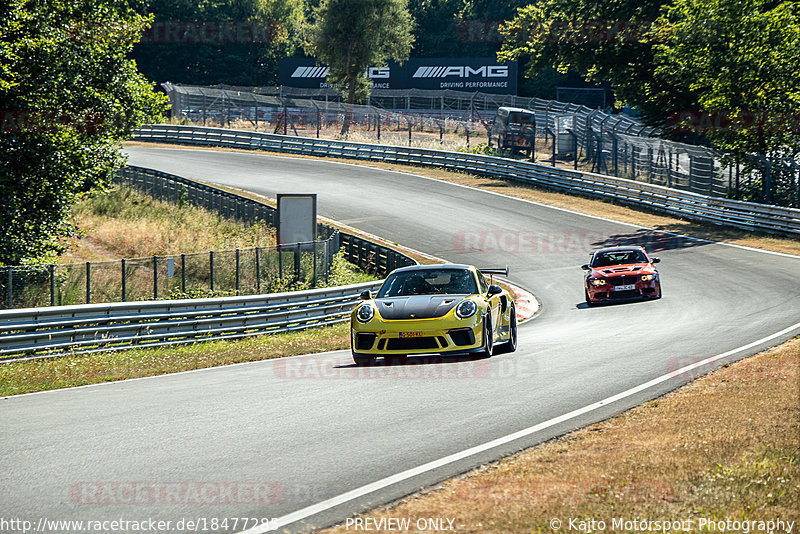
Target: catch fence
x,y
218,273
564,134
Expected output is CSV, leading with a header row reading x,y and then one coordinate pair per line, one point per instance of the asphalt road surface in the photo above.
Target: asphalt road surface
x,y
284,438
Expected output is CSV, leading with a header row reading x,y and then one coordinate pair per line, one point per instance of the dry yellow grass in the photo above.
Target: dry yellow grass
x,y
724,447
579,204
124,223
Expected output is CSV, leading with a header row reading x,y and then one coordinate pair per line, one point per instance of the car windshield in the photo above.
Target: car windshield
x,y
429,282
518,119
619,257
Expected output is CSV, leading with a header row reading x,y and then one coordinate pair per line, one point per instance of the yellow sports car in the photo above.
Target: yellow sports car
x,y
428,309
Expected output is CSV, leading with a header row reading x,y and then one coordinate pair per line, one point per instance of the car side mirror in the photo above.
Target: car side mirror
x,y
494,290
655,260
365,295
585,266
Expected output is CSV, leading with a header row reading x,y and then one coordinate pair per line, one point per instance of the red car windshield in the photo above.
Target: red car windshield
x,y
619,257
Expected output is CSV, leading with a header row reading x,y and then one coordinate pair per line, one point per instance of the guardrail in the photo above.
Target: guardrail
x,y
62,330
684,204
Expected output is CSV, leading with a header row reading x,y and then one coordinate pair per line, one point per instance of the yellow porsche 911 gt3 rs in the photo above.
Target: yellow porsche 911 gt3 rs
x,y
434,309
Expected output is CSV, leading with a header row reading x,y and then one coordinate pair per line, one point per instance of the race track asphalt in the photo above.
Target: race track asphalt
x,y
279,436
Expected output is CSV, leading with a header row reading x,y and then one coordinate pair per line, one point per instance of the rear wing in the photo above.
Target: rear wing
x,y
504,271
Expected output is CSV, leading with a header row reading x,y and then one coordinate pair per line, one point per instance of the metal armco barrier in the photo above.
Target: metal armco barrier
x,y
63,330
684,204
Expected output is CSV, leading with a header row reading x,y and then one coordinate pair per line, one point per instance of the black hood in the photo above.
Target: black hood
x,y
417,307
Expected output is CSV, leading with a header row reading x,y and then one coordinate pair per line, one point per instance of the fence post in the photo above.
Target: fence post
x,y
237,271
10,287
211,269
297,265
155,277
124,286
52,269
183,274
315,263
258,270
88,282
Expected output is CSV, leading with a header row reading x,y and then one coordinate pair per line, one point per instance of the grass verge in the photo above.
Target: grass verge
x,y
723,448
588,206
63,372
125,223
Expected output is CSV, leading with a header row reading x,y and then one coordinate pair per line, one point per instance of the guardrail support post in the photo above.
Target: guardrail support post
x,y
183,273
124,286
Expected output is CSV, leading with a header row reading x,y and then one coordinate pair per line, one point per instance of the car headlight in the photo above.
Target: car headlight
x,y
365,313
466,309
597,282
648,277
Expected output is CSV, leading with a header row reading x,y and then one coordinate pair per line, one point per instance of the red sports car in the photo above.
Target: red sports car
x,y
621,273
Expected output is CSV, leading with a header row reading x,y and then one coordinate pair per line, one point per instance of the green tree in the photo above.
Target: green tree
x,y
68,97
352,35
604,42
741,58
238,42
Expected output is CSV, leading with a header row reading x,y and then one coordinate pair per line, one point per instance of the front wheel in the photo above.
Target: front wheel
x,y
488,338
511,344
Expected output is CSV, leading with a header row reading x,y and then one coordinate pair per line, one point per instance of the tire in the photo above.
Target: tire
x,y
511,344
362,360
588,300
488,339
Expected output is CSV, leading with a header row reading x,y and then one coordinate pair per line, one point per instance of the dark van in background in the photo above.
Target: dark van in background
x,y
513,129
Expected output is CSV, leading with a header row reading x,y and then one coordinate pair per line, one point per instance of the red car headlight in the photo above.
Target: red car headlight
x,y
597,282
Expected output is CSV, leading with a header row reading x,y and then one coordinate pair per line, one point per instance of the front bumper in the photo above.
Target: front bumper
x,y
608,293
434,336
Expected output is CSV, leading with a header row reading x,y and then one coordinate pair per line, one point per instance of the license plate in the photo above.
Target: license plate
x,y
410,334
625,288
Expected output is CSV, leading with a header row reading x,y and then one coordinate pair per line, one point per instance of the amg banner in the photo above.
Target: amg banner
x,y
461,74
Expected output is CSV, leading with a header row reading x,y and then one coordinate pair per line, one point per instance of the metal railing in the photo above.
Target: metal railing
x,y
246,271
57,331
684,204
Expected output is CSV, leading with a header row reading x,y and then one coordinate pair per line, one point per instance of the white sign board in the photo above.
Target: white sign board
x,y
297,219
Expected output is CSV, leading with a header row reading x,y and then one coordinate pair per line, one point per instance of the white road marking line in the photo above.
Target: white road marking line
x,y
399,477
165,375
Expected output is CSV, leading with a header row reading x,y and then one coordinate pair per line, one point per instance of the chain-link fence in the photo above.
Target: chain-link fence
x,y
592,140
248,271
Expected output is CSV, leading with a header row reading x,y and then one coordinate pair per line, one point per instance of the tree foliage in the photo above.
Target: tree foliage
x,y
68,96
184,47
735,62
741,61
352,35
